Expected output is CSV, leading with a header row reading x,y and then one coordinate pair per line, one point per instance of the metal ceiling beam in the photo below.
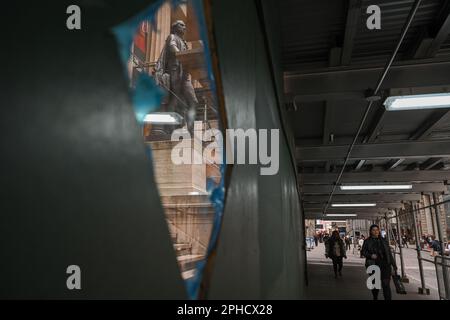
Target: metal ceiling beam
x,y
405,149
443,30
435,120
327,96
420,47
431,163
412,167
427,127
351,28
360,215
388,197
417,188
393,164
359,165
383,176
335,81
345,210
328,116
319,207
334,58
376,125
321,216
350,216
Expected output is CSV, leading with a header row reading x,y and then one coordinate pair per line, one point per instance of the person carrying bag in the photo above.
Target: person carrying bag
x,y
377,251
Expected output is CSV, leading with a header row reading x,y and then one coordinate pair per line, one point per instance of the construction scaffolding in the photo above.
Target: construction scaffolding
x,y
407,225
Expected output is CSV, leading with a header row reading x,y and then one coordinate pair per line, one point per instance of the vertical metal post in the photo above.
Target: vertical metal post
x,y
438,224
441,241
402,261
422,288
432,216
387,228
353,228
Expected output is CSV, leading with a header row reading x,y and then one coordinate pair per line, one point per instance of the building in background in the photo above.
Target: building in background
x,y
358,227
183,188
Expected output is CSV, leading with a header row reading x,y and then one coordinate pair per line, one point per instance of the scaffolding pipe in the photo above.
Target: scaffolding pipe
x,y
441,241
387,229
422,288
438,225
402,261
426,207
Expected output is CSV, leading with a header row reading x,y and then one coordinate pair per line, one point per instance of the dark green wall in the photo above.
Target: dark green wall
x,y
76,186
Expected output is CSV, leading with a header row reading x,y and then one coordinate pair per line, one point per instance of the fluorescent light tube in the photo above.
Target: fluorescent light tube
x,y
343,205
163,118
341,215
420,101
379,187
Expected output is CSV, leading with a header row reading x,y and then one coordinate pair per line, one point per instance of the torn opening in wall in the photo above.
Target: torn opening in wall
x,y
166,53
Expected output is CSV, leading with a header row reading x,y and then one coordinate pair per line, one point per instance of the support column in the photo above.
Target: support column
x,y
387,228
402,261
422,288
445,274
438,224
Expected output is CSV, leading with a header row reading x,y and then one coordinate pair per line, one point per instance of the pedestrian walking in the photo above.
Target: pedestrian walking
x,y
405,241
334,249
377,251
348,243
326,237
360,244
429,240
435,247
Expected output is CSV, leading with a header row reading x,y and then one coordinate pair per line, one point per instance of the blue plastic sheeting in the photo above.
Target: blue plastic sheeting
x,y
147,97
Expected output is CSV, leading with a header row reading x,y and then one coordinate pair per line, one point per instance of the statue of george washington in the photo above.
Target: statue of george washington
x,y
170,75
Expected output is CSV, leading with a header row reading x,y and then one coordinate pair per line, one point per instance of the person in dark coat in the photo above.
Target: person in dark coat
x,y
405,241
348,243
316,239
326,237
377,251
435,247
335,250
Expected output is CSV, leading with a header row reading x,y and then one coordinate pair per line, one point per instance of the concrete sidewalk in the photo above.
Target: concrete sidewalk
x,y
352,286
412,267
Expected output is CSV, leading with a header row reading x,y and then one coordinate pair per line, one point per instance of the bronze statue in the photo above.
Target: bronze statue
x,y
170,75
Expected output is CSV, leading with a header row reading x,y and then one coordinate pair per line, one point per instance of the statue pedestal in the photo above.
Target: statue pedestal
x,y
176,179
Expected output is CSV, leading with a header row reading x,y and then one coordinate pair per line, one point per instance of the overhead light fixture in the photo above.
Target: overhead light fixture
x,y
344,205
419,101
341,215
194,193
378,187
163,118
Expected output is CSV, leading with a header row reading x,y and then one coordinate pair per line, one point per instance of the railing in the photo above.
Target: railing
x,y
426,223
443,276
